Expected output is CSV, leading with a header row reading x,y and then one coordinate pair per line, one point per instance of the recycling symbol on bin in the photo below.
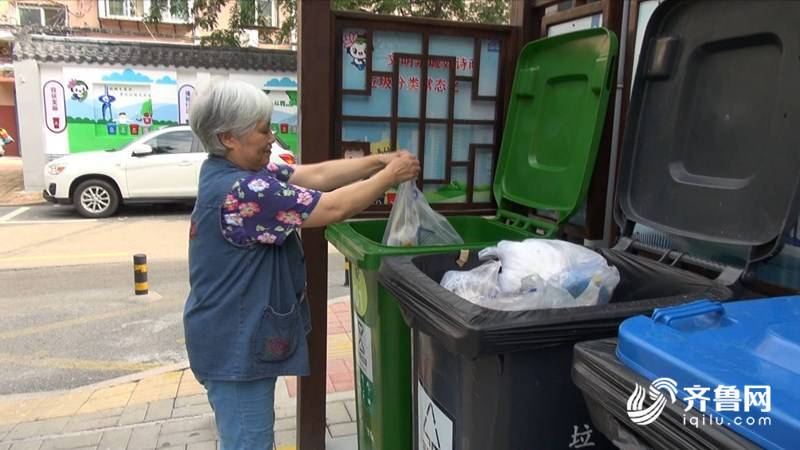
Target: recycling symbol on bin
x,y
430,436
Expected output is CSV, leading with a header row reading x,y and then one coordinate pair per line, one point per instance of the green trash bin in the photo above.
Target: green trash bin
x,y
553,129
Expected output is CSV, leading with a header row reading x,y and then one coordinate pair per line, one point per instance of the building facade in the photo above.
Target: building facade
x,y
82,95
87,75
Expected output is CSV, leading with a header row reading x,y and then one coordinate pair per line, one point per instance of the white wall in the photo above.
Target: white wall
x,y
30,116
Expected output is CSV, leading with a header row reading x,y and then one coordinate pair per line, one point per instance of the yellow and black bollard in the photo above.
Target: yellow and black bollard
x,y
140,274
346,272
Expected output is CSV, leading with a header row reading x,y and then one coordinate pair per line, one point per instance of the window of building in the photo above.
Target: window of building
x,y
53,16
268,9
262,12
138,9
167,15
124,8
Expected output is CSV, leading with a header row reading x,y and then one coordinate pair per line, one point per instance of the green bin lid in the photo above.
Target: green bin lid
x,y
553,128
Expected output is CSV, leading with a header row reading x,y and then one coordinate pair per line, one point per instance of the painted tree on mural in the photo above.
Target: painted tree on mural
x,y
292,97
147,108
254,15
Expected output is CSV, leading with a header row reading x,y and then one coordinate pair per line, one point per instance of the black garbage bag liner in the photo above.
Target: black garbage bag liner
x,y
471,330
607,383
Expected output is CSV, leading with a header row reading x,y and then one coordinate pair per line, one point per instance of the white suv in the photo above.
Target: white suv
x,y
163,166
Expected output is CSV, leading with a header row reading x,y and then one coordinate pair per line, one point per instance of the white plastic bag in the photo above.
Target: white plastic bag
x,y
535,274
561,263
414,223
480,282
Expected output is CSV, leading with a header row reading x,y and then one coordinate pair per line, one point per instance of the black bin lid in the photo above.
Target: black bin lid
x,y
711,149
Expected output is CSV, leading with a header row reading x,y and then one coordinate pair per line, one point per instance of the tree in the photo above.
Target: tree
x,y
248,15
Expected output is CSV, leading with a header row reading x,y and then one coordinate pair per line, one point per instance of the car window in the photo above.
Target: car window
x,y
172,143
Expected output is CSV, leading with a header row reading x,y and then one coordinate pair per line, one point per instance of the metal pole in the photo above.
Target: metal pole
x,y
612,165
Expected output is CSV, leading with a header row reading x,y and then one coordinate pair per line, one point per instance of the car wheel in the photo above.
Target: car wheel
x,y
95,199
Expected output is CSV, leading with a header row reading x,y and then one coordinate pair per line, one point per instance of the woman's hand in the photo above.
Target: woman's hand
x,y
386,158
403,167
349,200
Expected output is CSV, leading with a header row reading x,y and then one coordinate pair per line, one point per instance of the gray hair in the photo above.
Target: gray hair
x,y
227,107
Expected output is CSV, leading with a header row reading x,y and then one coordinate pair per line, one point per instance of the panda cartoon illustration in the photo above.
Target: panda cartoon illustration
x,y
356,45
79,89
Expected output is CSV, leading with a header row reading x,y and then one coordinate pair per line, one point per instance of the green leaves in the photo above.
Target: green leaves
x,y
251,14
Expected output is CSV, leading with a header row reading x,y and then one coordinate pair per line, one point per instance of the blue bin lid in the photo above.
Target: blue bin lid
x,y
741,344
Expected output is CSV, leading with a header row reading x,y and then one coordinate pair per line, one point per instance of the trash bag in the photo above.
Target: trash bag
x,y
480,282
535,274
414,223
562,263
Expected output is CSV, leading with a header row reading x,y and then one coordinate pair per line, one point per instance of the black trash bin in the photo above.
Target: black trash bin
x,y
606,384
709,155
500,379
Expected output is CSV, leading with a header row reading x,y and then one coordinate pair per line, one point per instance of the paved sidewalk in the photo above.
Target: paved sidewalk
x,y
11,185
167,409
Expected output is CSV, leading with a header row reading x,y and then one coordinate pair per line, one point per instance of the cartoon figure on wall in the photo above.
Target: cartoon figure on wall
x,y
79,89
356,45
355,149
121,104
147,116
106,100
122,123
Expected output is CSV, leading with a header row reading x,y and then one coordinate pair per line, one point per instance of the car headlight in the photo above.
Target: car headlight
x,y
55,169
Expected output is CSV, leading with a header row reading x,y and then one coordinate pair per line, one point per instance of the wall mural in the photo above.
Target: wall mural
x,y
107,109
97,108
283,93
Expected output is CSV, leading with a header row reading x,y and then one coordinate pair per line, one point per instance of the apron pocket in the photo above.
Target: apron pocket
x,y
276,337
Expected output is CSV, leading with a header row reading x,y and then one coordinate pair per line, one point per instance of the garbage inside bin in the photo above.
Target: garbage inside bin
x,y
535,274
695,163
733,365
568,75
412,221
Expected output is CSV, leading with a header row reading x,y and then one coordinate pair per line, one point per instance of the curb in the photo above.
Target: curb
x,y
342,299
14,205
150,373
102,384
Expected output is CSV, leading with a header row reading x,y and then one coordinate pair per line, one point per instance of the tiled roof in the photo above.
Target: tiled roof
x,y
87,51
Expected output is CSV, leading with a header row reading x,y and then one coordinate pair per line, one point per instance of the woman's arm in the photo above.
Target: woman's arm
x,y
349,200
329,175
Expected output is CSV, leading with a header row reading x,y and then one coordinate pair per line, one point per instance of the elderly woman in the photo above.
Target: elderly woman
x,y
247,316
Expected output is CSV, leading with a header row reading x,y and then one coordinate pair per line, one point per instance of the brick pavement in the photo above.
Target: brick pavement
x,y
11,186
167,408
340,350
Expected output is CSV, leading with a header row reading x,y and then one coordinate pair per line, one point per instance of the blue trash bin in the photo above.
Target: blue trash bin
x,y
700,375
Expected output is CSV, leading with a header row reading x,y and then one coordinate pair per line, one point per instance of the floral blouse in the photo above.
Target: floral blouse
x,y
264,208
